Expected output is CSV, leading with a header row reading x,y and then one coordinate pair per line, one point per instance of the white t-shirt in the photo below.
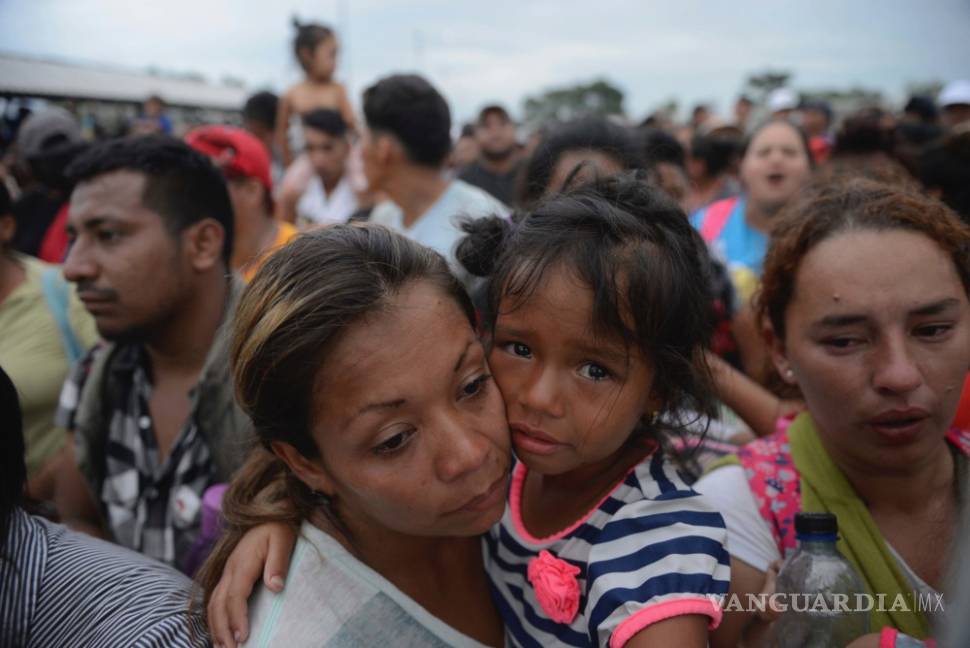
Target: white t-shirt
x,y
332,600
748,539
438,227
315,207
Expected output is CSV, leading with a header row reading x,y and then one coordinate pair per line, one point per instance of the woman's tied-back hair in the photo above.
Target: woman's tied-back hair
x,y
645,265
290,318
855,204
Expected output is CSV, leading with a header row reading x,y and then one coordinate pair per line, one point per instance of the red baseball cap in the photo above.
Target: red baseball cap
x,y
235,151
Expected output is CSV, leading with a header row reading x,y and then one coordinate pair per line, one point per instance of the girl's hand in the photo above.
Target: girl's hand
x,y
264,551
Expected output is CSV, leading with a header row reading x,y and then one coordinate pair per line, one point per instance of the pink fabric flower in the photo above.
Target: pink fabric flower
x,y
554,581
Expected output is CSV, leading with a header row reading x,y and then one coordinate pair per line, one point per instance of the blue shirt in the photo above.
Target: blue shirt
x,y
738,243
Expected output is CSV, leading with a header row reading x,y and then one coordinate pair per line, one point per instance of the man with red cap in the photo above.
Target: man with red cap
x,y
245,162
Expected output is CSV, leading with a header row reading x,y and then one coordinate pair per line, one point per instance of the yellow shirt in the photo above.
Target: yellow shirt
x,y
32,353
284,232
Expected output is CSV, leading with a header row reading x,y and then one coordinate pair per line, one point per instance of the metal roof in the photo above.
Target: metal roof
x,y
25,76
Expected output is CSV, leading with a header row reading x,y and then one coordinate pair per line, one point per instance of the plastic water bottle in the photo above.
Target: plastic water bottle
x,y
819,587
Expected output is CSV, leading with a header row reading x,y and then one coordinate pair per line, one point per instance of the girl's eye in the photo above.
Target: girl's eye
x,y
476,386
593,371
394,443
519,349
108,236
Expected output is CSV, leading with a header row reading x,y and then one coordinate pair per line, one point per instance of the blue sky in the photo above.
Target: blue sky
x,y
503,49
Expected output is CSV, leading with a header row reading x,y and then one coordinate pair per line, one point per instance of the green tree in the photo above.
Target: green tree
x,y
925,88
761,84
599,97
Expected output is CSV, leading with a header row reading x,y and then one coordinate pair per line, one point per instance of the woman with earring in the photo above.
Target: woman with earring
x,y
865,299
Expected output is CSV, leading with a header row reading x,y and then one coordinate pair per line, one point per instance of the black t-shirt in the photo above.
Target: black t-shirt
x,y
501,187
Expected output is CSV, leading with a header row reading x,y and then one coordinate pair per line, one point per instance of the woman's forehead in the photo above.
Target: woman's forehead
x,y
418,329
880,270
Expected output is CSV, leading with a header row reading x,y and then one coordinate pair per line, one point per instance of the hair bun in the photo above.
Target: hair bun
x,y
482,244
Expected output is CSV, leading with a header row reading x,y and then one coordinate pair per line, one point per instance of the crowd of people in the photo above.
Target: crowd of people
x,y
339,377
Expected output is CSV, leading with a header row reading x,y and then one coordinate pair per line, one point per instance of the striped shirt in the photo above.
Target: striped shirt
x,y
652,549
62,588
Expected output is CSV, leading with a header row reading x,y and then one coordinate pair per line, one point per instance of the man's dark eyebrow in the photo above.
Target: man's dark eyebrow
x,y
935,308
97,221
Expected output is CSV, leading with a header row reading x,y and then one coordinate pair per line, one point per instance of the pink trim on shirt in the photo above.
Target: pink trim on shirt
x,y
515,503
663,611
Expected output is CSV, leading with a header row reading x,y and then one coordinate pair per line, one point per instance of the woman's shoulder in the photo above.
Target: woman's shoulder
x,y
332,598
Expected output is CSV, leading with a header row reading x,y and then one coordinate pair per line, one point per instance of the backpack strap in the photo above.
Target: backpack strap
x,y
56,295
775,485
716,217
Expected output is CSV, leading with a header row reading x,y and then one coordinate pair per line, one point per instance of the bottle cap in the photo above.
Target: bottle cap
x,y
816,524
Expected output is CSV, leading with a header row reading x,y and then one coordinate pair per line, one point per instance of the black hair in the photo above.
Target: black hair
x,y
635,249
13,473
718,152
414,112
327,120
803,138
261,108
308,36
493,109
5,202
661,146
49,165
946,166
819,105
863,133
594,133
181,184
922,106
468,130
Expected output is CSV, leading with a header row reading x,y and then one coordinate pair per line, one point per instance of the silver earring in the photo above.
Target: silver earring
x,y
789,373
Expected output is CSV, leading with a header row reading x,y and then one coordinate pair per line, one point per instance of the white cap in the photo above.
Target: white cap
x,y
782,99
955,92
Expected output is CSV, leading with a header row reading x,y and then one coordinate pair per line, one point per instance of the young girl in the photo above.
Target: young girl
x,y
315,48
597,319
